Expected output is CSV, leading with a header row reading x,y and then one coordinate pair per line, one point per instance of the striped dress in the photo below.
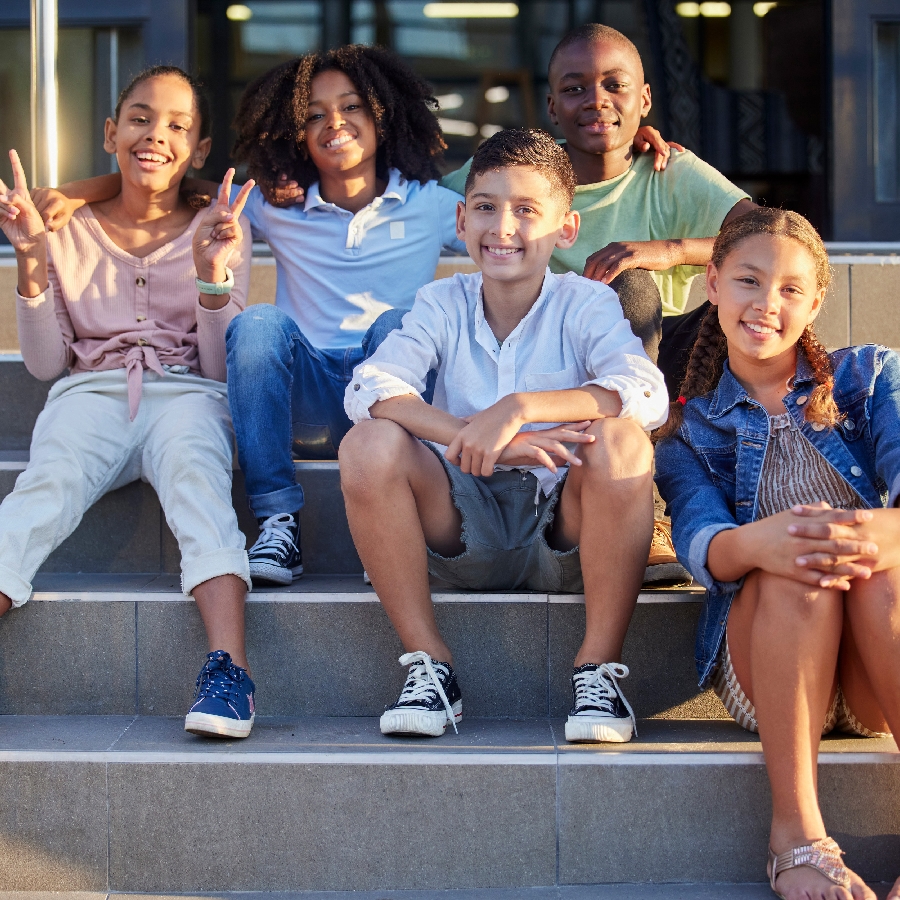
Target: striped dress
x,y
793,472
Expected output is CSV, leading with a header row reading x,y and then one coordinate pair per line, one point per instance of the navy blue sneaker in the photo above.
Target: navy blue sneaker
x,y
223,705
430,699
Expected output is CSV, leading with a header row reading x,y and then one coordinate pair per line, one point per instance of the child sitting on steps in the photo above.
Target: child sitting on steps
x,y
781,467
468,489
113,297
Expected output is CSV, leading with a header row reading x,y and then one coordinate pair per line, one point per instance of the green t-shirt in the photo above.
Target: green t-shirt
x,y
688,199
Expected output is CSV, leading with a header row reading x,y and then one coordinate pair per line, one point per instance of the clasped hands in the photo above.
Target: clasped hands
x,y
493,437
818,545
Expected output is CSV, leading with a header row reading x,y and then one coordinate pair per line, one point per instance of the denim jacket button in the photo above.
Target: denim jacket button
x,y
855,471
801,400
849,424
818,426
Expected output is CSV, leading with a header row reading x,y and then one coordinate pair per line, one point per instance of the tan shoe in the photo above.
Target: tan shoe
x,y
662,564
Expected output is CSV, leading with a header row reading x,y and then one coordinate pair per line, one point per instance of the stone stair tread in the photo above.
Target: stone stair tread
x,y
566,892
99,587
666,741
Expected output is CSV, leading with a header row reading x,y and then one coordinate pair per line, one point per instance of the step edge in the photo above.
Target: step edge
x,y
563,757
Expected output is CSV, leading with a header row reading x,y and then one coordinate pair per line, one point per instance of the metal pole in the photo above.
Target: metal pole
x,y
113,84
44,124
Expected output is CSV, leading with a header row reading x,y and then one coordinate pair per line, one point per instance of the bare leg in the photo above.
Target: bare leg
x,y
870,652
5,604
221,604
895,891
398,502
784,638
607,509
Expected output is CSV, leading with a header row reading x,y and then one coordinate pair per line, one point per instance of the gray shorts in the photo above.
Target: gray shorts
x,y
504,534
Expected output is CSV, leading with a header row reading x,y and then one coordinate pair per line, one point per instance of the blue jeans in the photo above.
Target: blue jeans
x,y
286,393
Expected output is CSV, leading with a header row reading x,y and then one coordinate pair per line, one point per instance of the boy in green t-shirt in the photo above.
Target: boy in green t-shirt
x,y
633,216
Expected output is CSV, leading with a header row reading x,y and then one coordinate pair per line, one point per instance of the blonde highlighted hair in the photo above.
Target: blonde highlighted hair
x,y
710,350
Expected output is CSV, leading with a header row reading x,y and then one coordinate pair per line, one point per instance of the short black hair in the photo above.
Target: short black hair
x,y
271,117
594,33
526,147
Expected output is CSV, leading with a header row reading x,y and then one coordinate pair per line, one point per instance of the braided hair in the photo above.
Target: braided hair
x,y
271,117
710,350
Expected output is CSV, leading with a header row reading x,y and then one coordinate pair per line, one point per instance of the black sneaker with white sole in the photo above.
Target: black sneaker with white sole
x,y
275,558
600,714
430,699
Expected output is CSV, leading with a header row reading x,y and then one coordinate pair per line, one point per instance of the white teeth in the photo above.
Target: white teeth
x,y
502,251
151,157
760,329
343,139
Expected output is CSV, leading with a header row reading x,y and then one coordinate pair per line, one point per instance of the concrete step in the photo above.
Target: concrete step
x,y
694,891
135,804
133,644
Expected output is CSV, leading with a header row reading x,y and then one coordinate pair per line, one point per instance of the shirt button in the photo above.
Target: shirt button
x,y
646,393
801,400
855,471
140,281
355,387
142,318
818,426
142,342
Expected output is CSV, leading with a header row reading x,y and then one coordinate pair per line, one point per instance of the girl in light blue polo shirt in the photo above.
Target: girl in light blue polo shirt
x,y
355,128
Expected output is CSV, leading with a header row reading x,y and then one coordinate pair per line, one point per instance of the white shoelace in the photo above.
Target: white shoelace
x,y
276,534
422,681
599,687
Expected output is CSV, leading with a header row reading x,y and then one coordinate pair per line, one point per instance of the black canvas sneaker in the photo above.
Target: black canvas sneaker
x,y
430,699
600,713
275,558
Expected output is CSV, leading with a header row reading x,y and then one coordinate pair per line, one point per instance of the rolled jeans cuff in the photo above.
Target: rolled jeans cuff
x,y
287,500
226,561
14,586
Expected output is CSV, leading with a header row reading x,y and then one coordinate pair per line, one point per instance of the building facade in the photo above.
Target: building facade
x,y
797,100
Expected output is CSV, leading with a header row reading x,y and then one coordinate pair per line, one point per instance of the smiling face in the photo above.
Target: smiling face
x,y
340,129
597,96
157,135
511,221
767,294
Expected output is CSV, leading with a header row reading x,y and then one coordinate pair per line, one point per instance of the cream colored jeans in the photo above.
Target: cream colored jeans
x,y
180,442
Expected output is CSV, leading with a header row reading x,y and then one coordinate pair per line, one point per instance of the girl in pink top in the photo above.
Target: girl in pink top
x,y
134,297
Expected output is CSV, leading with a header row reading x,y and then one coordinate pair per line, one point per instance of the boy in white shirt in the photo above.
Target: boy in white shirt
x,y
482,489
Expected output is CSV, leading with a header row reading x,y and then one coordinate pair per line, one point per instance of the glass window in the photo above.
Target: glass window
x,y
887,112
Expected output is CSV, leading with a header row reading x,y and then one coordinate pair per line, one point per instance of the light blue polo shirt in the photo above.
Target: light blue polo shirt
x,y
338,271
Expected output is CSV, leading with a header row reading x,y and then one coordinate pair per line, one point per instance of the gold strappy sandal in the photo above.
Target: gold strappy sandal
x,y
823,855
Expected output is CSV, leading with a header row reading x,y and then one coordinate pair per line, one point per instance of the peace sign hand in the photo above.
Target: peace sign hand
x,y
19,219
219,232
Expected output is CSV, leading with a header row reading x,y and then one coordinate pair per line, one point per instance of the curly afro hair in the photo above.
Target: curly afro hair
x,y
271,118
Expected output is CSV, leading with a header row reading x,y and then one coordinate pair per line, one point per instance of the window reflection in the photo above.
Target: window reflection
x,y
887,112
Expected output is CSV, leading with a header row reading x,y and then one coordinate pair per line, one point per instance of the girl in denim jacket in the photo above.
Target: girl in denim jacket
x,y
780,463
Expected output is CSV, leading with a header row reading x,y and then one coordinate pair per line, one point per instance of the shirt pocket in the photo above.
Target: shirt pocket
x,y
722,465
553,381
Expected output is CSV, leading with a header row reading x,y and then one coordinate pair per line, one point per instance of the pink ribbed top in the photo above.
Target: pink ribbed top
x,y
106,309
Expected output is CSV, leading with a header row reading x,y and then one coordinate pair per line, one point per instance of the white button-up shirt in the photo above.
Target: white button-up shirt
x,y
337,271
573,335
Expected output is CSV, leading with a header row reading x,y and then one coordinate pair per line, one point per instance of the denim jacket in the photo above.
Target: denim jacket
x,y
708,471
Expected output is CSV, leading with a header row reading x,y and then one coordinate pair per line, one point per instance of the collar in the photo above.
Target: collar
x,y
728,393
397,189
476,290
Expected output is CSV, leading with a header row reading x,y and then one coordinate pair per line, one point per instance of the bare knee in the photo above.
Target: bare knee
x,y
804,603
371,452
621,452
